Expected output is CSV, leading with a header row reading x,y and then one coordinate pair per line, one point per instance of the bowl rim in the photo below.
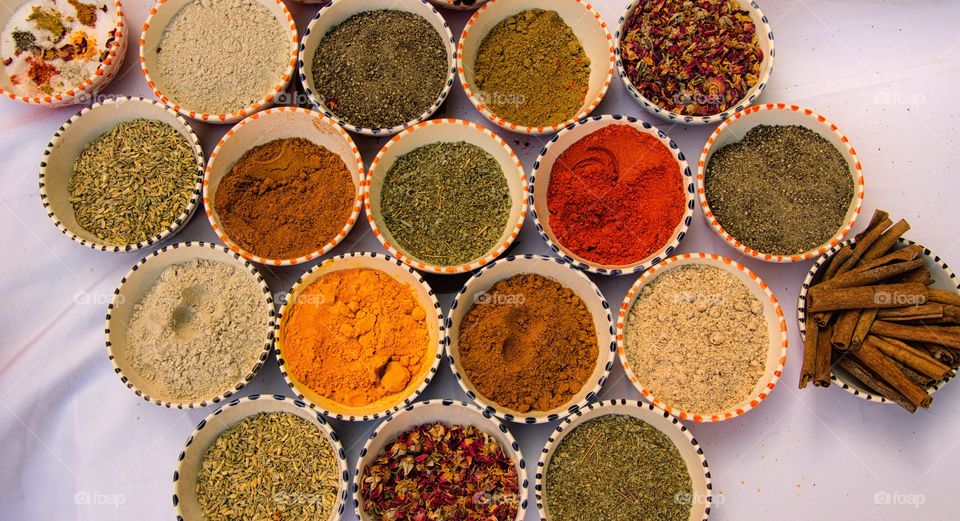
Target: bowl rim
x,y
324,426
92,83
451,4
815,119
575,420
585,111
605,354
303,68
228,258
370,260
749,97
522,476
330,245
767,385
686,176
225,117
175,226
493,253
802,312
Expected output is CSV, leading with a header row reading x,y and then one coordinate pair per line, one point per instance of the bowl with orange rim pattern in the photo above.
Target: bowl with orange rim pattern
x,y
436,131
578,14
736,127
261,128
776,328
160,17
459,5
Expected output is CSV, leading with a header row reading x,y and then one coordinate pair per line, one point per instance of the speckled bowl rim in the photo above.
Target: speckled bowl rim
x,y
688,193
766,385
174,226
229,258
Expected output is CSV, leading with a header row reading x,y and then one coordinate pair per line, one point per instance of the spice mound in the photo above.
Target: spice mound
x,y
697,338
198,330
356,337
380,69
435,471
273,465
782,190
221,56
133,181
446,203
285,199
692,58
617,468
615,197
531,70
528,344
49,47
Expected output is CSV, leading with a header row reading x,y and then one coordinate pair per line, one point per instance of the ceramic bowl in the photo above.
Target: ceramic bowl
x,y
338,11
765,40
191,458
686,444
459,5
434,350
448,412
436,131
135,285
56,167
736,127
264,127
569,277
160,17
776,329
578,14
944,279
540,181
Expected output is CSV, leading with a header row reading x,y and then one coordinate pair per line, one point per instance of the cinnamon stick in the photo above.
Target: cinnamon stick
x,y
944,297
939,335
911,357
861,373
922,312
887,370
921,275
941,354
951,314
859,277
809,354
838,260
843,329
821,373
862,329
886,241
907,253
881,296
864,243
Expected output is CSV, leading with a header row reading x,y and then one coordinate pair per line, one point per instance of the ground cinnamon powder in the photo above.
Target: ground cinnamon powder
x,y
528,344
285,199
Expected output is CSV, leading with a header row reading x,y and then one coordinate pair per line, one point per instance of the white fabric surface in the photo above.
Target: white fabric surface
x,y
78,445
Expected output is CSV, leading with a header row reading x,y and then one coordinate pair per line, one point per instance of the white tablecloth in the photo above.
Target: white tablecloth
x,y
78,445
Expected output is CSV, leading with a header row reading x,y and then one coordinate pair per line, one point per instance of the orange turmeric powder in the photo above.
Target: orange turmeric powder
x,y
355,337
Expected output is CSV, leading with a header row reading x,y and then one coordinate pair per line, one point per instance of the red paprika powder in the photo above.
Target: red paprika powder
x,y
615,197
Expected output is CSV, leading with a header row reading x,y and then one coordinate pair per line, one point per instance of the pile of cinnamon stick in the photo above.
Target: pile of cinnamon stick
x,y
874,314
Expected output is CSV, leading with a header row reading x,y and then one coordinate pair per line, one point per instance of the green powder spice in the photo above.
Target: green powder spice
x,y
617,468
380,69
446,203
531,70
782,190
133,181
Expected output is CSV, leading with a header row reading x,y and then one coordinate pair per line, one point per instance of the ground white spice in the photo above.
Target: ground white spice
x,y
197,331
697,338
220,56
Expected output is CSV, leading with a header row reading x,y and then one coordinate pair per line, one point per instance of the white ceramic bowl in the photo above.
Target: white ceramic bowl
x,y
264,127
435,326
736,127
191,458
689,448
540,181
134,286
568,277
160,17
776,329
56,167
944,279
82,93
459,5
448,131
338,11
578,14
765,41
447,412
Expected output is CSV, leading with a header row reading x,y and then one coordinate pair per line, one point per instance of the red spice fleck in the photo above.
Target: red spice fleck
x,y
41,72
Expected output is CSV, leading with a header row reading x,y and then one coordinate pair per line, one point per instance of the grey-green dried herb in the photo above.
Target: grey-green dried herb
x,y
133,181
617,468
270,466
446,203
